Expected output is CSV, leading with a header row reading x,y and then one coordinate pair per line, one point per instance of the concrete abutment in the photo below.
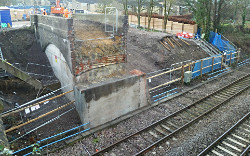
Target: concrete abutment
x,y
92,67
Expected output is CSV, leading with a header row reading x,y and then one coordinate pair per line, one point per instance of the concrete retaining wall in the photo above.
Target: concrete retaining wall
x,y
61,69
102,103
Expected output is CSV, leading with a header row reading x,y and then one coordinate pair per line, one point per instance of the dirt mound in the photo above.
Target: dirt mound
x,y
145,53
20,46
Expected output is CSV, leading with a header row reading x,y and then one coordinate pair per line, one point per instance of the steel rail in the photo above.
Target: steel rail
x,y
144,151
42,116
41,102
175,114
224,135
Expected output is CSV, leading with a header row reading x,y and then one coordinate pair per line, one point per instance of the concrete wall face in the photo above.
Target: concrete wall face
x,y
106,102
57,31
60,68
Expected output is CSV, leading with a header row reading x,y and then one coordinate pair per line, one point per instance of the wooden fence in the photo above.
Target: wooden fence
x,y
234,57
158,24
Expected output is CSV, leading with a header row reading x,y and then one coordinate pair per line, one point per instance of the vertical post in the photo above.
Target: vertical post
x,y
230,58
189,67
145,21
201,67
238,56
182,75
213,64
153,23
221,62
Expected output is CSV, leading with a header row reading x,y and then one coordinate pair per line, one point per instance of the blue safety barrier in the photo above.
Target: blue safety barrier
x,y
228,55
164,93
59,140
51,137
217,75
218,71
243,62
165,96
207,62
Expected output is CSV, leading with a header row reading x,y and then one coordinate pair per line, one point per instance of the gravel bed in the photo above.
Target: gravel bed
x,y
199,136
107,136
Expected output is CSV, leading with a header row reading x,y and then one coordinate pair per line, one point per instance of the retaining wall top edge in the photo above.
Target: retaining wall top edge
x,y
83,86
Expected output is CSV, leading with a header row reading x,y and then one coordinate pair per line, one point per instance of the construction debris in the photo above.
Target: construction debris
x,y
184,41
165,45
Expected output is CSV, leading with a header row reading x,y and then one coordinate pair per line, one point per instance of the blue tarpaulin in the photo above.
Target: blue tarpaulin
x,y
5,16
207,62
222,45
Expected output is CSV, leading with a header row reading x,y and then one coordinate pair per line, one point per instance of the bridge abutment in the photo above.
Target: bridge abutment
x,y
85,54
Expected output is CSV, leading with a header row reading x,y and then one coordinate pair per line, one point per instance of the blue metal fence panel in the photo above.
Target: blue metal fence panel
x,y
206,63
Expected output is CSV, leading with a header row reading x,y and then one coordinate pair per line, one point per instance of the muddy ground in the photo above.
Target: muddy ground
x,y
145,53
20,46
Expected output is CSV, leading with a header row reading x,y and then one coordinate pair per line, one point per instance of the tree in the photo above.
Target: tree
x,y
244,12
202,14
167,11
102,4
217,14
125,6
4,2
150,12
235,9
139,10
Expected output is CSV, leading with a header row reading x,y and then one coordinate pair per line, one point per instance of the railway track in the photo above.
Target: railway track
x,y
153,135
234,142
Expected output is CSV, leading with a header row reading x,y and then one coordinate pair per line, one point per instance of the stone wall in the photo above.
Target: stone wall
x,y
57,31
107,101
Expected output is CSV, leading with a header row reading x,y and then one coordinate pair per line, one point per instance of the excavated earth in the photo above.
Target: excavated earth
x,y
145,53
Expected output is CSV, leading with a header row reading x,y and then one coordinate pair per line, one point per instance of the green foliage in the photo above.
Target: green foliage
x,y
5,151
36,149
1,147
95,140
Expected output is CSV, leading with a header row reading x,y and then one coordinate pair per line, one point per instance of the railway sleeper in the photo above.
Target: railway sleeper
x,y
241,138
242,133
172,124
224,97
231,139
228,93
231,146
186,117
161,130
167,127
203,109
225,151
213,100
219,98
193,112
